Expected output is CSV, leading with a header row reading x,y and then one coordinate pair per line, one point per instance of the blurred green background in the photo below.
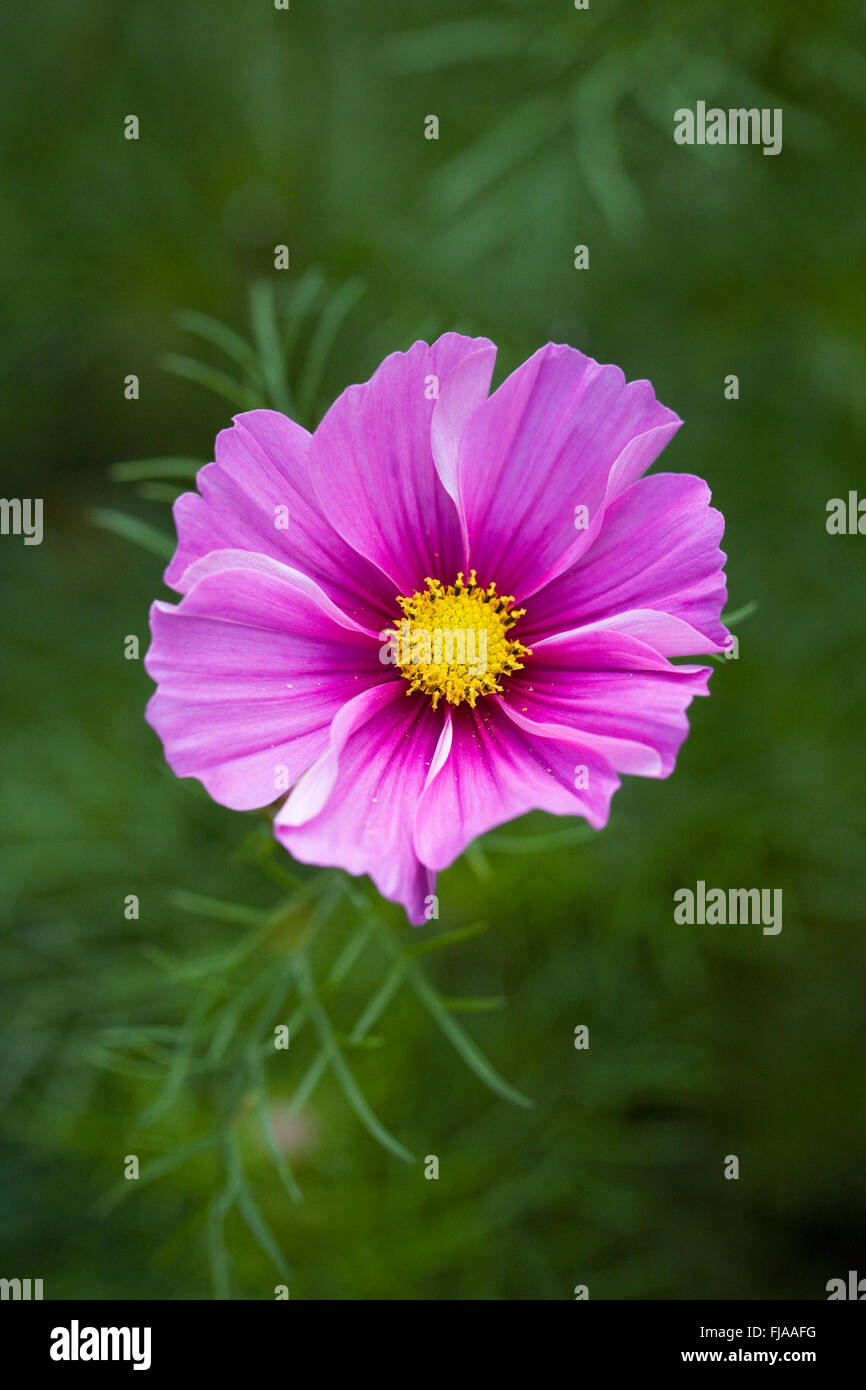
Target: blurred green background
x,y
306,127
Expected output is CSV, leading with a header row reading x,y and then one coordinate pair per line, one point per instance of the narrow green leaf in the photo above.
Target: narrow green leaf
x,y
150,1172
340,1067
130,1035
106,1060
333,314
133,470
376,1006
498,154
478,861
221,1206
465,1004
257,1225
445,938
220,383
269,345
597,147
265,1018
180,1068
220,336
306,292
380,1001
536,844
469,1050
442,45
227,1023
284,1172
216,908
309,1081
350,954
159,492
131,529
739,615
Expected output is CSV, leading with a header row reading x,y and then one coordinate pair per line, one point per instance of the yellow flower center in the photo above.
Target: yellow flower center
x,y
453,642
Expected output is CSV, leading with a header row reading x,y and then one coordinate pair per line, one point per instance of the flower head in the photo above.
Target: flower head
x,y
453,642
442,609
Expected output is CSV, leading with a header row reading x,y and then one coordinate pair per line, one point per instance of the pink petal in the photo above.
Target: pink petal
x,y
262,465
617,693
251,667
372,460
500,765
658,549
356,807
559,433
462,391
669,636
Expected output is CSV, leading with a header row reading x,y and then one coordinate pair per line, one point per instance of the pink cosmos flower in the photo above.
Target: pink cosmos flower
x,y
441,610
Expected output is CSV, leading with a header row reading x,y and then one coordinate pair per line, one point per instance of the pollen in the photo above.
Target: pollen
x,y
452,642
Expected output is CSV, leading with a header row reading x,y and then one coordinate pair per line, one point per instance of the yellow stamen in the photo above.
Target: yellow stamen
x,y
452,642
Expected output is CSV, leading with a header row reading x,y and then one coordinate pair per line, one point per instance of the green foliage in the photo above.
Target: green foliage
x,y
223,1060
152,1036
292,333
